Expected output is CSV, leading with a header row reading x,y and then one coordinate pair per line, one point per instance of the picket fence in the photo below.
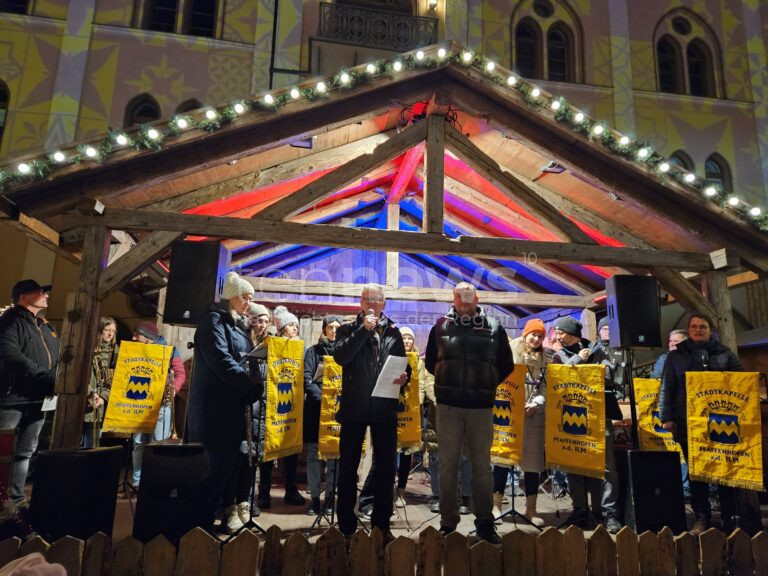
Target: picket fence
x,y
551,553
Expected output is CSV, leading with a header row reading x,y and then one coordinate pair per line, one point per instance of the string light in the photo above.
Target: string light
x,y
211,114
321,87
295,94
490,66
466,57
643,153
345,78
733,201
442,53
239,108
397,66
24,168
512,80
690,178
91,152
598,130
555,105
755,211
182,123
710,191
420,55
664,167
121,139
153,134
59,156
269,99
535,93
624,141
579,117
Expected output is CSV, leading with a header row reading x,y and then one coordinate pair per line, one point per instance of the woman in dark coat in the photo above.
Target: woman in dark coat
x,y
221,389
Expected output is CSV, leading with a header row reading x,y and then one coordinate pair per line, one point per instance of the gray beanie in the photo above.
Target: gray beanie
x,y
603,322
569,325
283,318
255,309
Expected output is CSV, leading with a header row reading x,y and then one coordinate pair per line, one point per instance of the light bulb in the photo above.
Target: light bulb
x,y
182,123
643,153
269,99
397,66
91,152
733,201
371,69
420,55
466,56
535,93
153,134
210,114
121,139
490,65
555,105
344,78
755,211
442,53
239,108
320,87
59,156
24,168
512,80
664,167
597,130
624,140
710,191
690,178
295,93
579,117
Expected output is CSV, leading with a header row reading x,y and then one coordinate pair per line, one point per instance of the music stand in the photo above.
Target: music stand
x,y
515,514
322,514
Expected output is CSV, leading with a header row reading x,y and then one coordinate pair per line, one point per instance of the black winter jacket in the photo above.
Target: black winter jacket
x,y
354,352
221,387
694,357
470,357
29,352
313,387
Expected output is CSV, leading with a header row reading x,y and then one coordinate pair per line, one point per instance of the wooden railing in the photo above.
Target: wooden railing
x,y
551,553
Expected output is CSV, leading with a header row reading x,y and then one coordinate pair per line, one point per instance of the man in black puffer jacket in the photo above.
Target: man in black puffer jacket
x,y
29,351
468,352
361,349
697,354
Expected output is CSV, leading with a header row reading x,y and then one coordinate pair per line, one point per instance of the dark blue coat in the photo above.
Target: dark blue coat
x,y
221,387
313,388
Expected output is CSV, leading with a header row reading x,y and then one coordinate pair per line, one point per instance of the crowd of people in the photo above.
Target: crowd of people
x,y
467,355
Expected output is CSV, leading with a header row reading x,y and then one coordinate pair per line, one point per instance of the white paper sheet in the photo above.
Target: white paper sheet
x,y
393,367
49,403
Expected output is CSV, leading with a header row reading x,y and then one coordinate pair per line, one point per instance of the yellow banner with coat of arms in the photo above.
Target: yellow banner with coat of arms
x,y
508,417
409,409
137,387
328,435
575,419
724,436
285,397
652,435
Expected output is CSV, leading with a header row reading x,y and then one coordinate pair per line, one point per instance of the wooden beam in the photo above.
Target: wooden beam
x,y
130,264
715,286
345,174
417,294
393,258
78,337
383,240
411,160
684,292
432,221
514,188
322,160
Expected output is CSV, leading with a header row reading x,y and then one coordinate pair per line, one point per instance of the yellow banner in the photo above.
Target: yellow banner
x,y
724,436
285,397
137,387
328,435
508,417
409,409
651,434
575,419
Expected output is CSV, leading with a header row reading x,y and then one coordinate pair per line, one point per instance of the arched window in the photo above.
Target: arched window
x,y
718,173
160,15
670,65
142,109
5,99
681,159
700,73
527,56
559,54
202,18
14,6
188,106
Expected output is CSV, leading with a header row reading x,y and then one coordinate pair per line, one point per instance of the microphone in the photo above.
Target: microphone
x,y
370,312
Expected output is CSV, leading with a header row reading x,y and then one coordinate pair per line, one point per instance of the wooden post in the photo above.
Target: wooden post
x,y
715,287
78,337
393,258
589,325
432,220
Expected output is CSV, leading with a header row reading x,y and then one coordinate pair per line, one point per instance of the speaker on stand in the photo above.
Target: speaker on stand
x,y
656,492
195,281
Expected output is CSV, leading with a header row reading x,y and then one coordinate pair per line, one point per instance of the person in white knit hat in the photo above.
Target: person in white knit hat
x,y
221,389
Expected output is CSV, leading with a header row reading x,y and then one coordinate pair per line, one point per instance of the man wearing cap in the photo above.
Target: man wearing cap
x,y
468,352
147,333
578,350
29,352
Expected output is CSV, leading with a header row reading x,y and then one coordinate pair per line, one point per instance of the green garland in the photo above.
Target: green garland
x,y
348,79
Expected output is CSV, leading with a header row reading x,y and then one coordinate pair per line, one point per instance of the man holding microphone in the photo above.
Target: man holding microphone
x,y
362,348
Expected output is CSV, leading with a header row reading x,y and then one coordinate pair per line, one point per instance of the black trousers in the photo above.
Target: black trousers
x,y
290,464
384,440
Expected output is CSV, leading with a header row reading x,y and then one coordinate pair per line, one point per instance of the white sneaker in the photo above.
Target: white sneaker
x,y
400,498
244,511
232,522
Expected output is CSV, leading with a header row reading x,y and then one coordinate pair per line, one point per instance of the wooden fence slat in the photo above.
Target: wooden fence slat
x,y
159,557
686,551
455,555
127,557
68,552
648,550
550,560
740,554
429,554
574,552
667,556
400,557
760,552
376,550
329,559
240,556
359,558
485,559
296,555
97,558
601,553
518,553
9,550
272,558
627,552
198,554
36,544
714,553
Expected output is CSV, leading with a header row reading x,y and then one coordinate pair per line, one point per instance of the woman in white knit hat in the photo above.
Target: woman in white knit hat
x,y
221,389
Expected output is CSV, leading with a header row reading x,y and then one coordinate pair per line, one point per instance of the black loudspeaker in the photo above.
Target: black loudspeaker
x,y
170,474
75,492
633,311
198,271
656,488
